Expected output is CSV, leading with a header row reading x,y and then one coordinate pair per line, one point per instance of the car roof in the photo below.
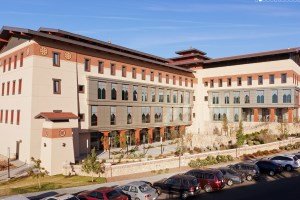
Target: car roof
x,y
183,176
103,189
62,196
136,183
205,170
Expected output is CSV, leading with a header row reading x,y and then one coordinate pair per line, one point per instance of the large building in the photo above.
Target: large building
x,y
63,94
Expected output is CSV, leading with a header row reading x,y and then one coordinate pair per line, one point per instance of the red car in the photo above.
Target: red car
x,y
210,180
104,193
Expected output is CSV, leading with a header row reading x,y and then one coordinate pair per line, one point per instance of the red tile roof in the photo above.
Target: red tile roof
x,y
56,116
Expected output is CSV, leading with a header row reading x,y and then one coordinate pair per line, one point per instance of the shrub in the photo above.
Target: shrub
x,y
197,149
210,160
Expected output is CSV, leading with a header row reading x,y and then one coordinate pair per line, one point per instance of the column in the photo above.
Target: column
x,y
272,114
137,136
255,111
122,138
162,132
105,140
150,135
290,115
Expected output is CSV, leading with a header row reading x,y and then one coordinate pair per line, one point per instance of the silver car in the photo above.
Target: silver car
x,y
139,190
62,197
289,162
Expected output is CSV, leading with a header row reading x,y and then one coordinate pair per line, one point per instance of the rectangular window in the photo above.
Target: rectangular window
x,y
260,98
169,114
15,62
226,98
159,77
144,94
246,96
143,74
180,93
158,114
180,81
187,98
124,71
8,86
113,91
161,95
101,90
236,97
18,117
129,115
113,115
9,64
6,116
167,79
271,79
12,116
151,76
220,82
215,98
168,96
135,93
287,96
21,59
205,83
283,78
112,69
94,116
153,96
260,80
249,80
20,86
125,92
56,59
174,80
100,67
3,88
134,73
146,115
205,98
81,88
186,82
14,88
4,66
56,86
87,65
1,116
81,117
274,96
239,81
228,82
212,83
175,95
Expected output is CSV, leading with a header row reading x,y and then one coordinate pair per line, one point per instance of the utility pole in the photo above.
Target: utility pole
x,y
8,163
161,146
109,141
127,142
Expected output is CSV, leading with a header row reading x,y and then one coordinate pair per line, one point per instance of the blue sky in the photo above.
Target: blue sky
x,y
161,27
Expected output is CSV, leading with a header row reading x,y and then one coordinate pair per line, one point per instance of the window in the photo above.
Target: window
x,y
260,80
4,66
174,80
236,115
249,80
283,78
143,74
3,88
6,116
220,82
211,83
236,97
153,94
159,77
274,96
8,86
15,62
168,96
145,114
12,116
271,79
180,114
112,69
125,92
186,82
112,115
14,88
21,59
20,86
101,90
100,67
129,115
226,98
81,88
287,96
161,95
56,86
247,96
134,72
180,81
215,98
205,98
152,76
144,94
81,117
187,98
135,93
94,117
192,83
175,94
228,82
181,96
1,116
9,64
56,59
113,91
239,81
169,117
158,114
260,96
205,84
124,71
167,78
87,65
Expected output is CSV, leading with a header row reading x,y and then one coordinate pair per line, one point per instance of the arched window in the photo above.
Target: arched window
x,y
129,119
113,94
134,95
215,117
143,118
258,99
236,117
219,116
274,98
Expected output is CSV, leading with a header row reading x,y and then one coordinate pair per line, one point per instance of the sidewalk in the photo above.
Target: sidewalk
x,y
18,169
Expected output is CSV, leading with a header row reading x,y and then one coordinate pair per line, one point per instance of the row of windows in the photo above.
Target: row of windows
x,y
260,97
12,62
260,80
173,114
87,68
13,85
184,97
4,116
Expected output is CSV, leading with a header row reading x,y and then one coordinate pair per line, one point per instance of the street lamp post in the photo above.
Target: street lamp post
x,y
144,140
127,143
8,163
109,142
161,146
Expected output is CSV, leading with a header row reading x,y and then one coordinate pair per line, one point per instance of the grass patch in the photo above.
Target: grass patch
x,y
28,184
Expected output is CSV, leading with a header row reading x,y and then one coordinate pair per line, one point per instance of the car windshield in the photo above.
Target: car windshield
x,y
113,194
144,188
219,176
230,171
194,182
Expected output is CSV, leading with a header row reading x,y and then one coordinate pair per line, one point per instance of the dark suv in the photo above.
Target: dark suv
x,y
269,167
250,170
183,185
210,180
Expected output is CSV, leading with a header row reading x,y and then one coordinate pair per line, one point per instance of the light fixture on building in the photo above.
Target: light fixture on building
x,y
45,145
64,144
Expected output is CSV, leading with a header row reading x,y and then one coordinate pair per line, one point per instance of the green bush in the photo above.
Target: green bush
x,y
210,160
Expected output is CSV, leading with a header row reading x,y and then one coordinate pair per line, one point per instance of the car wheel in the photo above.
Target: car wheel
x,y
229,182
271,173
208,188
184,195
158,189
288,168
249,177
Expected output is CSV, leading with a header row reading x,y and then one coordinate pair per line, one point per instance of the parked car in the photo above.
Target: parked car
x,y
289,162
231,176
183,185
139,190
210,180
16,197
269,167
104,193
62,197
250,170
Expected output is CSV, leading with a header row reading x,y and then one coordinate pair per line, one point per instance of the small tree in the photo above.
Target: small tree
x,y
240,137
37,171
91,165
225,124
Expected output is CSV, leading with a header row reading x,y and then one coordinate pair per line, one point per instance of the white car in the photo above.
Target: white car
x,y
289,162
62,197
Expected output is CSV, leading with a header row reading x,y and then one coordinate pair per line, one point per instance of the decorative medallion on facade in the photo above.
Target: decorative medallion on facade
x,y
27,51
62,133
43,51
68,55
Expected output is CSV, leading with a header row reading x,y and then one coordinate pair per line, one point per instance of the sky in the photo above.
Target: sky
x,y
218,27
